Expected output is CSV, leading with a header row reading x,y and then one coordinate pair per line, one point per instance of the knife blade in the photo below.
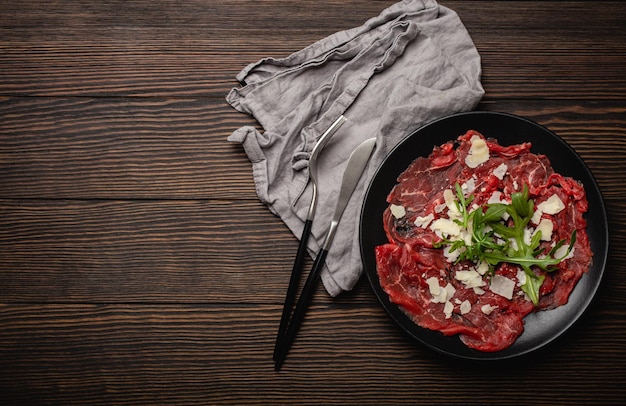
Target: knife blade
x,y
356,164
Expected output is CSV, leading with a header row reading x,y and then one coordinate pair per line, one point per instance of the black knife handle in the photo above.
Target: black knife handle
x,y
294,280
301,307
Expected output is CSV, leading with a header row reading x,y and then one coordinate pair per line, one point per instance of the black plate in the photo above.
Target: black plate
x,y
541,327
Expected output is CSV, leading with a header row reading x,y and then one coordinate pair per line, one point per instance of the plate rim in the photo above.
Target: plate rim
x,y
598,258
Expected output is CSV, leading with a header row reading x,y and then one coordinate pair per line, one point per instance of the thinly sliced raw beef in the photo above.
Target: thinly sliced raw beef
x,y
457,297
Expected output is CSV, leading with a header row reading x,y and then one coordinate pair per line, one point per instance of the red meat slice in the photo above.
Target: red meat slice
x,y
403,273
406,263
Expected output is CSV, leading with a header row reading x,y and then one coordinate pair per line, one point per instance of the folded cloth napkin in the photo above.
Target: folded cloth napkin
x,y
409,65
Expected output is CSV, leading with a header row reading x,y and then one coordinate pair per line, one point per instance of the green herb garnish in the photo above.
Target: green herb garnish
x,y
495,241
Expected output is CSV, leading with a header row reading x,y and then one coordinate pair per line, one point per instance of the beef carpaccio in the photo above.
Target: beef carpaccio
x,y
484,301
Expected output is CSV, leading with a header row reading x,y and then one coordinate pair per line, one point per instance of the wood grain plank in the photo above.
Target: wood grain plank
x,y
188,251
183,251
123,148
137,266
596,131
532,49
122,355
140,148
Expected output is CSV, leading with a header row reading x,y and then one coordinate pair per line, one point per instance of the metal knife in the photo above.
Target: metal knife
x,y
356,164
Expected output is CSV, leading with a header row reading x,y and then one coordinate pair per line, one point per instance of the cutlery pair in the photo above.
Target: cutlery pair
x,y
288,328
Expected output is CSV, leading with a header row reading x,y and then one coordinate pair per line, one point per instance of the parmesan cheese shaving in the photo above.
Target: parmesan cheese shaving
x,y
397,211
469,278
563,250
465,307
478,152
433,285
423,222
487,309
447,309
546,227
502,286
482,267
445,227
521,277
450,200
450,291
478,291
536,218
451,256
528,233
469,186
552,205
500,171
439,208
496,197
439,294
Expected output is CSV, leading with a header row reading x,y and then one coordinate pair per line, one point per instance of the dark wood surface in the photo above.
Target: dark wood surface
x,y
137,265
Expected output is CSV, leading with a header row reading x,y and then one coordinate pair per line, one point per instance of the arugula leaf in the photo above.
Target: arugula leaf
x,y
531,287
493,213
521,202
492,238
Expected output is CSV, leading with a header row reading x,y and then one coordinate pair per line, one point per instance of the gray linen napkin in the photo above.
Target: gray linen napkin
x,y
409,65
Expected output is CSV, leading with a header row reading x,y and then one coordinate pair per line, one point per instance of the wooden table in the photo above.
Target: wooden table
x,y
137,265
